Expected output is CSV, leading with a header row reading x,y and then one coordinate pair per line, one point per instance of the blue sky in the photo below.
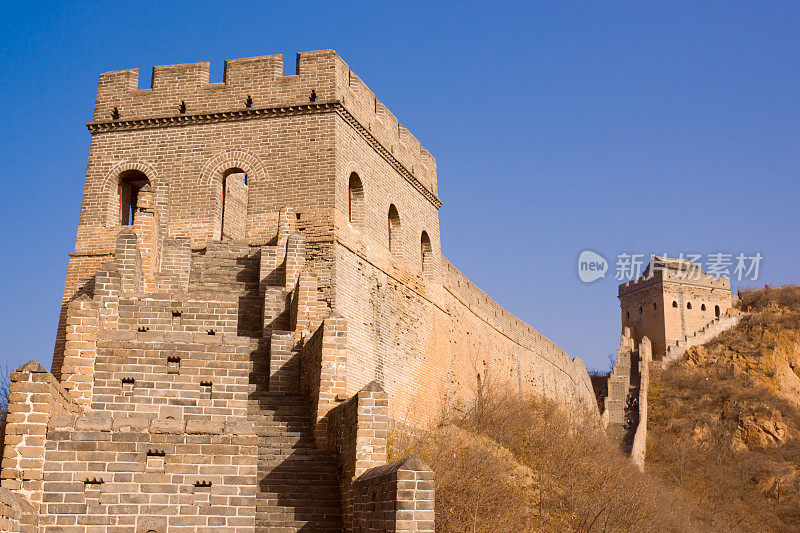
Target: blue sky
x,y
612,126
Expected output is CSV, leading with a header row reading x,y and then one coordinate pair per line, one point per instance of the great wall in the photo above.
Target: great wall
x,y
256,299
673,306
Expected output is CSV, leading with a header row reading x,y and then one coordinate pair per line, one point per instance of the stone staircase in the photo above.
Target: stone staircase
x,y
231,268
623,383
297,484
700,337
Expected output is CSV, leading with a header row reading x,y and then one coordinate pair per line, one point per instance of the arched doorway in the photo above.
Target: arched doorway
x,y
130,183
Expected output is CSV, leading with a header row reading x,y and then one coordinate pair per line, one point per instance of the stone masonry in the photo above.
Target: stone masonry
x,y
674,305
256,299
672,300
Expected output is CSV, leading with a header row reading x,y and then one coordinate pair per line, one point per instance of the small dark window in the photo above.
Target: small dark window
x,y
641,310
716,311
703,307
655,306
627,315
130,183
674,303
689,305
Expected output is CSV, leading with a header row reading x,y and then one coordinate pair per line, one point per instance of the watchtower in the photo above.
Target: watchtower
x,y
672,299
218,162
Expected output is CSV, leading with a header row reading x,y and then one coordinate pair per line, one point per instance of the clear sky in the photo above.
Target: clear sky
x,y
558,127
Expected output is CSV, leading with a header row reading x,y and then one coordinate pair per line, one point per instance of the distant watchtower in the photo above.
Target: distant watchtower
x,y
674,298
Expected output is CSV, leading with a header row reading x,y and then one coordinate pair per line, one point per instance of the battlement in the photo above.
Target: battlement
x,y
674,271
253,87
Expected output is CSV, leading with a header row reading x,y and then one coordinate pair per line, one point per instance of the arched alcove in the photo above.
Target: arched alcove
x,y
355,200
233,204
394,230
426,252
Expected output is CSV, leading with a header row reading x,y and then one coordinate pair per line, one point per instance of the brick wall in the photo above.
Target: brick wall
x,y
639,446
123,473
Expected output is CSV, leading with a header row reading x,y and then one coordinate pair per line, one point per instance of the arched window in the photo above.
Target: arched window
x,y
425,251
233,216
689,305
130,183
394,230
674,303
355,200
716,311
703,307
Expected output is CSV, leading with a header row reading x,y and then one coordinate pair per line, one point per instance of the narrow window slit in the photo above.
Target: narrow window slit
x,y
155,460
173,364
127,386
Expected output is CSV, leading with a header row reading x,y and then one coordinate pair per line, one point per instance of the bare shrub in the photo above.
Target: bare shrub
x,y
694,416
599,380
524,464
5,392
787,297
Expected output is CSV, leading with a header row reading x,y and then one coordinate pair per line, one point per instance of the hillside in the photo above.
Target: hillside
x,y
724,423
514,464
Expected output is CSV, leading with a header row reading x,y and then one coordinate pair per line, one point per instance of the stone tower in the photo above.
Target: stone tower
x,y
257,297
672,300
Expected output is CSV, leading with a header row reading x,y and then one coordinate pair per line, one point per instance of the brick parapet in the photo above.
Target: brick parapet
x,y
323,377
669,277
518,331
639,446
36,395
121,472
395,497
128,261
80,351
323,83
146,227
357,431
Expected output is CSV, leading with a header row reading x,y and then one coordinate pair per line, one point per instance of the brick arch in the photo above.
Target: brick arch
x,y
109,187
225,159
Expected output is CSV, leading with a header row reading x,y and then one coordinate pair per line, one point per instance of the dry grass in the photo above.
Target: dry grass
x,y
521,464
694,415
786,297
696,410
